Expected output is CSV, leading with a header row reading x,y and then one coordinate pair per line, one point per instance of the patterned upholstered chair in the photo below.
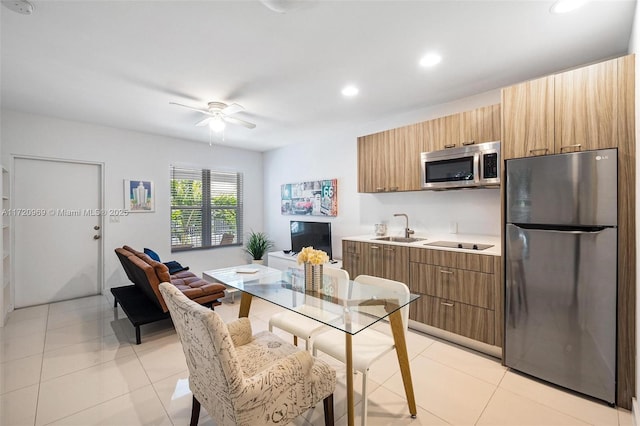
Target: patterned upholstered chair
x,y
242,379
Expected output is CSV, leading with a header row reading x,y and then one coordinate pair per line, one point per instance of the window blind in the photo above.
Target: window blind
x,y
206,208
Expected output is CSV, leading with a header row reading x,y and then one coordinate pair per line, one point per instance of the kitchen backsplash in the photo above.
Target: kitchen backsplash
x,y
472,211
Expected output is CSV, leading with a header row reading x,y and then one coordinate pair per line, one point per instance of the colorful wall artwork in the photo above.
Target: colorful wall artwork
x,y
314,198
138,196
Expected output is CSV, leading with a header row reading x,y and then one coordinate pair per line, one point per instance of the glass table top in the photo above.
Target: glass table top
x,y
346,305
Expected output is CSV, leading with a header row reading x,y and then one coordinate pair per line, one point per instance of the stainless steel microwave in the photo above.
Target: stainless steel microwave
x,y
469,166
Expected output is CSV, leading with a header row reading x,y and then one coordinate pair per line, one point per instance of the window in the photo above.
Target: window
x,y
206,208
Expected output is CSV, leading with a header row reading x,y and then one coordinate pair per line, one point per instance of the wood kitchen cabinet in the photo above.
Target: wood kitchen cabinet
x,y
576,110
352,260
586,108
528,120
456,130
389,161
441,133
389,261
373,164
407,166
461,293
480,125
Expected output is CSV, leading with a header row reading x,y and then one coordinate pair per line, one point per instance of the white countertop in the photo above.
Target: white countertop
x,y
430,238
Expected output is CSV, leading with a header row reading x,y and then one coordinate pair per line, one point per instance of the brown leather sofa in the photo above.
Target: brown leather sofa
x,y
143,302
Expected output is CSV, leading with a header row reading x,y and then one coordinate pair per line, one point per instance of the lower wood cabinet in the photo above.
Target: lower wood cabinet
x,y
459,318
461,292
389,261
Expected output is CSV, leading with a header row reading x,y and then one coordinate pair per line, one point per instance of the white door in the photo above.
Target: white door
x,y
58,226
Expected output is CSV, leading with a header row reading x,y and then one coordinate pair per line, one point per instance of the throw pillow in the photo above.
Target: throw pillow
x,y
152,254
175,267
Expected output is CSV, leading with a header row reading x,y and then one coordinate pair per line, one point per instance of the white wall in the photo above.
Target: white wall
x,y
634,47
132,155
332,153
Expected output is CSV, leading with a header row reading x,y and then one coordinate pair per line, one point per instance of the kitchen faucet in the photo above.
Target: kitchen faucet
x,y
407,231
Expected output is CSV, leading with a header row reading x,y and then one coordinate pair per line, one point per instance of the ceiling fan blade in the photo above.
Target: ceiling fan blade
x,y
190,107
232,109
234,120
204,122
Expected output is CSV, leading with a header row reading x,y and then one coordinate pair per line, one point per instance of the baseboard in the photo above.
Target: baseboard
x,y
491,350
635,412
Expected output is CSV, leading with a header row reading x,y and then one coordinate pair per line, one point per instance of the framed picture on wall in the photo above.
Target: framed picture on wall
x,y
313,198
139,196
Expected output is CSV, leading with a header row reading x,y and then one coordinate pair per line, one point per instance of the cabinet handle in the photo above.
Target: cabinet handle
x,y
451,145
468,143
577,145
380,189
393,188
442,271
533,151
449,304
374,247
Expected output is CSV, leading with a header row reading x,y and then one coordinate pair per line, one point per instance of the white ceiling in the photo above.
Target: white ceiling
x,y
120,63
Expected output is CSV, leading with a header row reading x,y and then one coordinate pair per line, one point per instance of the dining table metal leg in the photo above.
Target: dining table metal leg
x,y
349,374
400,341
245,305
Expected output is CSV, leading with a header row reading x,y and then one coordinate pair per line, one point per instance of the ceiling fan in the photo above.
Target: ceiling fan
x,y
219,114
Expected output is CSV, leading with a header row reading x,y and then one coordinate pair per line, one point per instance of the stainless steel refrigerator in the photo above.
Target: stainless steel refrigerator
x,y
561,269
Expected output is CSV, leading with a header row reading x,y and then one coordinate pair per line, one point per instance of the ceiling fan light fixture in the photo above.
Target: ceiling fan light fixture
x,y
217,124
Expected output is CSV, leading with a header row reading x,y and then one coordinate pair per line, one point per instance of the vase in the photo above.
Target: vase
x,y
312,277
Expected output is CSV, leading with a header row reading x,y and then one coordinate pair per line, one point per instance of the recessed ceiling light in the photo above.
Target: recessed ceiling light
x,y
564,6
430,59
350,91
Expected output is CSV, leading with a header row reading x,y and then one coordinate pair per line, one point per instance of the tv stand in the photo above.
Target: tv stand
x,y
283,261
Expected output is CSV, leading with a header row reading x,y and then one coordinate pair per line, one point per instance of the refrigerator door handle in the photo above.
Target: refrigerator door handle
x,y
564,229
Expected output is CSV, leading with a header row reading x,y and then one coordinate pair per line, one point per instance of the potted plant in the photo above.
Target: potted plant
x,y
257,245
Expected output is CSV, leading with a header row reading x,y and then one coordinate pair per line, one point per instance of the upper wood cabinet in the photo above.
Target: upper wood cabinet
x,y
408,166
528,123
586,108
374,163
441,133
480,125
475,126
576,110
389,161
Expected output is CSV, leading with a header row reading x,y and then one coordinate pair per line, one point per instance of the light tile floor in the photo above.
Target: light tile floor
x,y
76,363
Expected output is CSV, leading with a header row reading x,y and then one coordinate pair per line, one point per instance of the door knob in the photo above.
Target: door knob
x,y
96,237
97,227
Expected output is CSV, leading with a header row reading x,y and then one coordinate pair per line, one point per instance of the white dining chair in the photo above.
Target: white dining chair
x,y
301,326
369,345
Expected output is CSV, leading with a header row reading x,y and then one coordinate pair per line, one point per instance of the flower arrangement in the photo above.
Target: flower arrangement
x,y
314,257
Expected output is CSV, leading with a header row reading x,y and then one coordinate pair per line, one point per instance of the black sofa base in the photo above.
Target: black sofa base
x,y
139,309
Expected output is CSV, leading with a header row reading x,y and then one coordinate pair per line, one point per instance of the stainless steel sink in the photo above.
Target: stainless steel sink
x,y
400,239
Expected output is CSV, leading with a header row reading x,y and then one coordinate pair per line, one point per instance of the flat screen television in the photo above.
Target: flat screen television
x,y
314,234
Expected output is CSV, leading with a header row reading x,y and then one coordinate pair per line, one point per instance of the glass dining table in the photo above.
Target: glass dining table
x,y
346,305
